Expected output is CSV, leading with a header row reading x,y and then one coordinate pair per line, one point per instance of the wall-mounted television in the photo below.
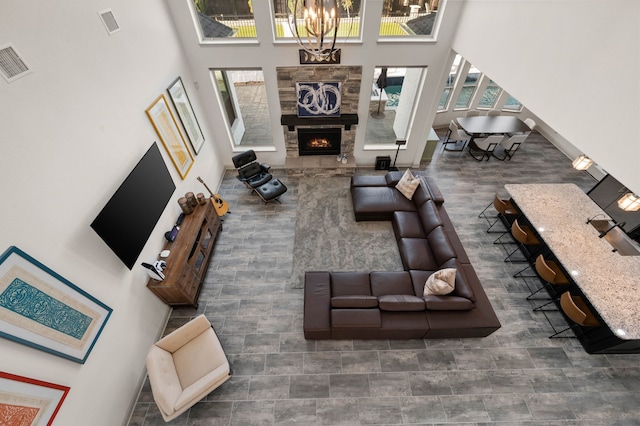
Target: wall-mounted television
x,y
128,218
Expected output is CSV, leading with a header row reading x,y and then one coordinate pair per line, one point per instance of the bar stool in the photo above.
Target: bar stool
x,y
528,244
576,309
505,210
552,276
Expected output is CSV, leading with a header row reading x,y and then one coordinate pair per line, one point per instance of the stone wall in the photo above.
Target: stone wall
x,y
349,76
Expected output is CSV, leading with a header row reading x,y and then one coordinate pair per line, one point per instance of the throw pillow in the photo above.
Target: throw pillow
x,y
408,184
441,282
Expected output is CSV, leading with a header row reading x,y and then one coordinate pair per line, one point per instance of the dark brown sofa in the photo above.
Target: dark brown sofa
x,y
390,305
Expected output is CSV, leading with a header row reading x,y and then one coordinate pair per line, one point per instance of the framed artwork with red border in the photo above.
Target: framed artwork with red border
x,y
29,402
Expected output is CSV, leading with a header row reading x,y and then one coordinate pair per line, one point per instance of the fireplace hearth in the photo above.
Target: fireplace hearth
x,y
319,141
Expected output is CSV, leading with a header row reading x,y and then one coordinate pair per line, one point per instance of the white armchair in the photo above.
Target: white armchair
x,y
185,366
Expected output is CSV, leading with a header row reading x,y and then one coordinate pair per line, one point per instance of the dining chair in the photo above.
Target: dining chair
x,y
530,123
511,144
575,309
526,242
455,135
472,113
506,212
494,112
484,146
553,278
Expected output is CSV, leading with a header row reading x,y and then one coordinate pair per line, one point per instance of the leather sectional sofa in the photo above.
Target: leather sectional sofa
x,y
390,304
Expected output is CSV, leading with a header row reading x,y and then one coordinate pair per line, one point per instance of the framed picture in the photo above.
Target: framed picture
x,y
29,402
41,309
319,99
185,112
167,128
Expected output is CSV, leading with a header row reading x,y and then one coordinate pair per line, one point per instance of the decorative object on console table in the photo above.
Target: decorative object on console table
x,y
189,257
167,128
185,205
181,102
27,401
43,310
399,143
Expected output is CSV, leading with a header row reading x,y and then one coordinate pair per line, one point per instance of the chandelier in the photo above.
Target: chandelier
x,y
315,26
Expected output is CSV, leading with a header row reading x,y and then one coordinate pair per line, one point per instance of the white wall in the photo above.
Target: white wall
x,y
71,132
573,64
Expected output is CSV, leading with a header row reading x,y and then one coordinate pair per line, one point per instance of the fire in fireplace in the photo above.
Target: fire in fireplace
x,y
319,141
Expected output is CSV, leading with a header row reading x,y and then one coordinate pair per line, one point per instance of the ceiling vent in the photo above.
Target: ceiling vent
x,y
12,66
109,21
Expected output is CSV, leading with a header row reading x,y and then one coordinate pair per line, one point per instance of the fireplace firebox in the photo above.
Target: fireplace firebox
x,y
319,141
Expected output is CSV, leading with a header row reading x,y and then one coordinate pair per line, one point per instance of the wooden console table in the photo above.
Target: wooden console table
x,y
189,258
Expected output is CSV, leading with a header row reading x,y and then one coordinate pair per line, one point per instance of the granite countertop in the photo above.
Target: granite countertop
x,y
610,281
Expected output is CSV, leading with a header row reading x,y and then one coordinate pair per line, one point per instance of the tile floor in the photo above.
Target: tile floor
x,y
515,376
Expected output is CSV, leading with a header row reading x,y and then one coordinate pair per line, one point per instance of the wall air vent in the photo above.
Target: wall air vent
x,y
109,21
12,66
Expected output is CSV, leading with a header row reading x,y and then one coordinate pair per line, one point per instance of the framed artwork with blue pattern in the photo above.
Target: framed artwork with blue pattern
x,y
319,99
41,309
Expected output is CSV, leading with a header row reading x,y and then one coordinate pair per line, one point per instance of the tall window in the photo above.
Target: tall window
x,y
391,107
468,88
512,104
349,11
408,18
451,79
244,100
226,19
490,95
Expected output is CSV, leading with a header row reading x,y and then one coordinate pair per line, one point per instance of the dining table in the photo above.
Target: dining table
x,y
481,125
561,215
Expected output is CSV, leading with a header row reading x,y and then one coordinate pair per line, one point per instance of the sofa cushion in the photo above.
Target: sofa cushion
x,y
408,184
393,177
391,282
429,216
421,194
368,180
407,225
440,282
447,303
374,202
465,279
348,318
440,246
401,302
350,284
416,254
354,302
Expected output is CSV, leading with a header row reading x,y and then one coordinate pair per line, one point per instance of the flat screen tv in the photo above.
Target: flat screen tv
x,y
128,218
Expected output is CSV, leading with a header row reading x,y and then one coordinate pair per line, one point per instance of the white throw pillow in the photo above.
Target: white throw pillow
x,y
408,184
441,282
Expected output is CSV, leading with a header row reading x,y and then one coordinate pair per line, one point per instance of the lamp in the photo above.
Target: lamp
x,y
399,142
315,26
582,162
629,202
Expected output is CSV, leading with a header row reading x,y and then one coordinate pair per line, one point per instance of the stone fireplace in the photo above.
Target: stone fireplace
x,y
350,78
